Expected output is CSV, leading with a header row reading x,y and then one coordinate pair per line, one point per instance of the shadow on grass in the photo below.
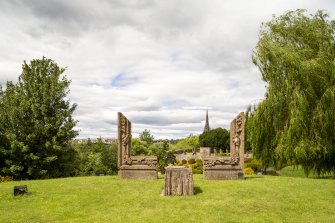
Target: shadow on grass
x,y
197,190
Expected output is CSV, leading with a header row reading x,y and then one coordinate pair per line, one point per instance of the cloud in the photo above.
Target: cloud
x,y
161,63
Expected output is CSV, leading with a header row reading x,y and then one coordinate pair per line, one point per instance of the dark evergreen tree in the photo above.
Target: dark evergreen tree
x,y
218,138
36,123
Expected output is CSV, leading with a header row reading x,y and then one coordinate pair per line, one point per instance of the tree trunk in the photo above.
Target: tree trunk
x,y
178,181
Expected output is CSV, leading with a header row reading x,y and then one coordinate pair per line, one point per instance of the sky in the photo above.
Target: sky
x,y
160,63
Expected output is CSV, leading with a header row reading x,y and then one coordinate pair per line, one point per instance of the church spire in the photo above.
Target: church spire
x,y
206,129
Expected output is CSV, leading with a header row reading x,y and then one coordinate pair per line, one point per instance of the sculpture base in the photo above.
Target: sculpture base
x,y
224,172
138,172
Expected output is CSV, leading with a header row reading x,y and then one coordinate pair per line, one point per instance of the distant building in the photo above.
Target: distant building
x,y
206,129
96,140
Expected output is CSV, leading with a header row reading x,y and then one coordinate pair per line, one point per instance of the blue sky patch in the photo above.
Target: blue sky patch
x,y
123,80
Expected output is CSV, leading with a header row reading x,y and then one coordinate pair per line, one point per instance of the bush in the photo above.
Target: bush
x,y
248,171
254,164
5,178
191,161
197,166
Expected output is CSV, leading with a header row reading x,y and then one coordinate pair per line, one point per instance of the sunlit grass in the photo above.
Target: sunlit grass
x,y
109,199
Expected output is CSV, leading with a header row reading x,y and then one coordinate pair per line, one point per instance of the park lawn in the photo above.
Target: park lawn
x,y
110,199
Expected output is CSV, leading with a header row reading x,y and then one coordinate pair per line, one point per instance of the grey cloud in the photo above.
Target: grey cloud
x,y
178,57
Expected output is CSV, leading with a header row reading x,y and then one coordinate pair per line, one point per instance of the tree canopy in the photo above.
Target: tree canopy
x,y
147,137
295,122
36,123
187,143
218,138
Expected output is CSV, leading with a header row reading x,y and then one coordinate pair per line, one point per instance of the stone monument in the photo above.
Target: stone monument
x,y
204,152
229,168
132,167
237,137
178,181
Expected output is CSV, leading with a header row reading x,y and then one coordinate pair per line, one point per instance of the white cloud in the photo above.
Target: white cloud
x,y
161,63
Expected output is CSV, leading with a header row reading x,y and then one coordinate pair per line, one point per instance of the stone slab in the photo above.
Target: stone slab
x,y
223,174
178,181
138,174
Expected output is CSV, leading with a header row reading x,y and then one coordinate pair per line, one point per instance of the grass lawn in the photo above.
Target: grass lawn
x,y
109,199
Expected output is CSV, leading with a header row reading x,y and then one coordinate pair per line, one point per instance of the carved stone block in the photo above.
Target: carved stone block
x,y
237,138
178,181
132,167
20,190
229,168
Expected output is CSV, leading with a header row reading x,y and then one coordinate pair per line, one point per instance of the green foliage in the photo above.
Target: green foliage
x,y
295,123
163,153
187,143
196,165
6,178
95,157
254,164
248,171
145,146
36,123
218,138
191,161
147,137
139,147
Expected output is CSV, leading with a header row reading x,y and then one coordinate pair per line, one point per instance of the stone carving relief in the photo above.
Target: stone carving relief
x,y
124,146
237,138
236,145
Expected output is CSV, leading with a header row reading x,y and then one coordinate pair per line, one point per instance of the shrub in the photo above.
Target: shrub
x,y
191,161
248,171
254,164
5,178
197,166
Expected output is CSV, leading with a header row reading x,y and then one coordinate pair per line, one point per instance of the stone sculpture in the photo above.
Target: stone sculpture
x,y
132,167
228,168
178,181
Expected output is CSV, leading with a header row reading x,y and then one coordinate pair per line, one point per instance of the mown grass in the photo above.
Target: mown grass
x,y
110,199
298,171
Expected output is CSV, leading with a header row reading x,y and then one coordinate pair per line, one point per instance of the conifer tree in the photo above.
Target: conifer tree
x,y
36,122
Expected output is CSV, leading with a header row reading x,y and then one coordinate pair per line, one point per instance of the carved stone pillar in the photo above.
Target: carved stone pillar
x,y
237,138
132,167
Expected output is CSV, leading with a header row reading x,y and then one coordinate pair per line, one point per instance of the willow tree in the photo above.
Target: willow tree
x,y
36,123
295,123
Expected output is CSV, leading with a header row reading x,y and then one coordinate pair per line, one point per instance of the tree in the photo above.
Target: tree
x,y
164,155
218,138
138,147
188,143
36,123
295,123
95,157
147,137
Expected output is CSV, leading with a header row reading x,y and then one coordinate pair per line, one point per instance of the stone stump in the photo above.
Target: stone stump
x,y
20,190
178,181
